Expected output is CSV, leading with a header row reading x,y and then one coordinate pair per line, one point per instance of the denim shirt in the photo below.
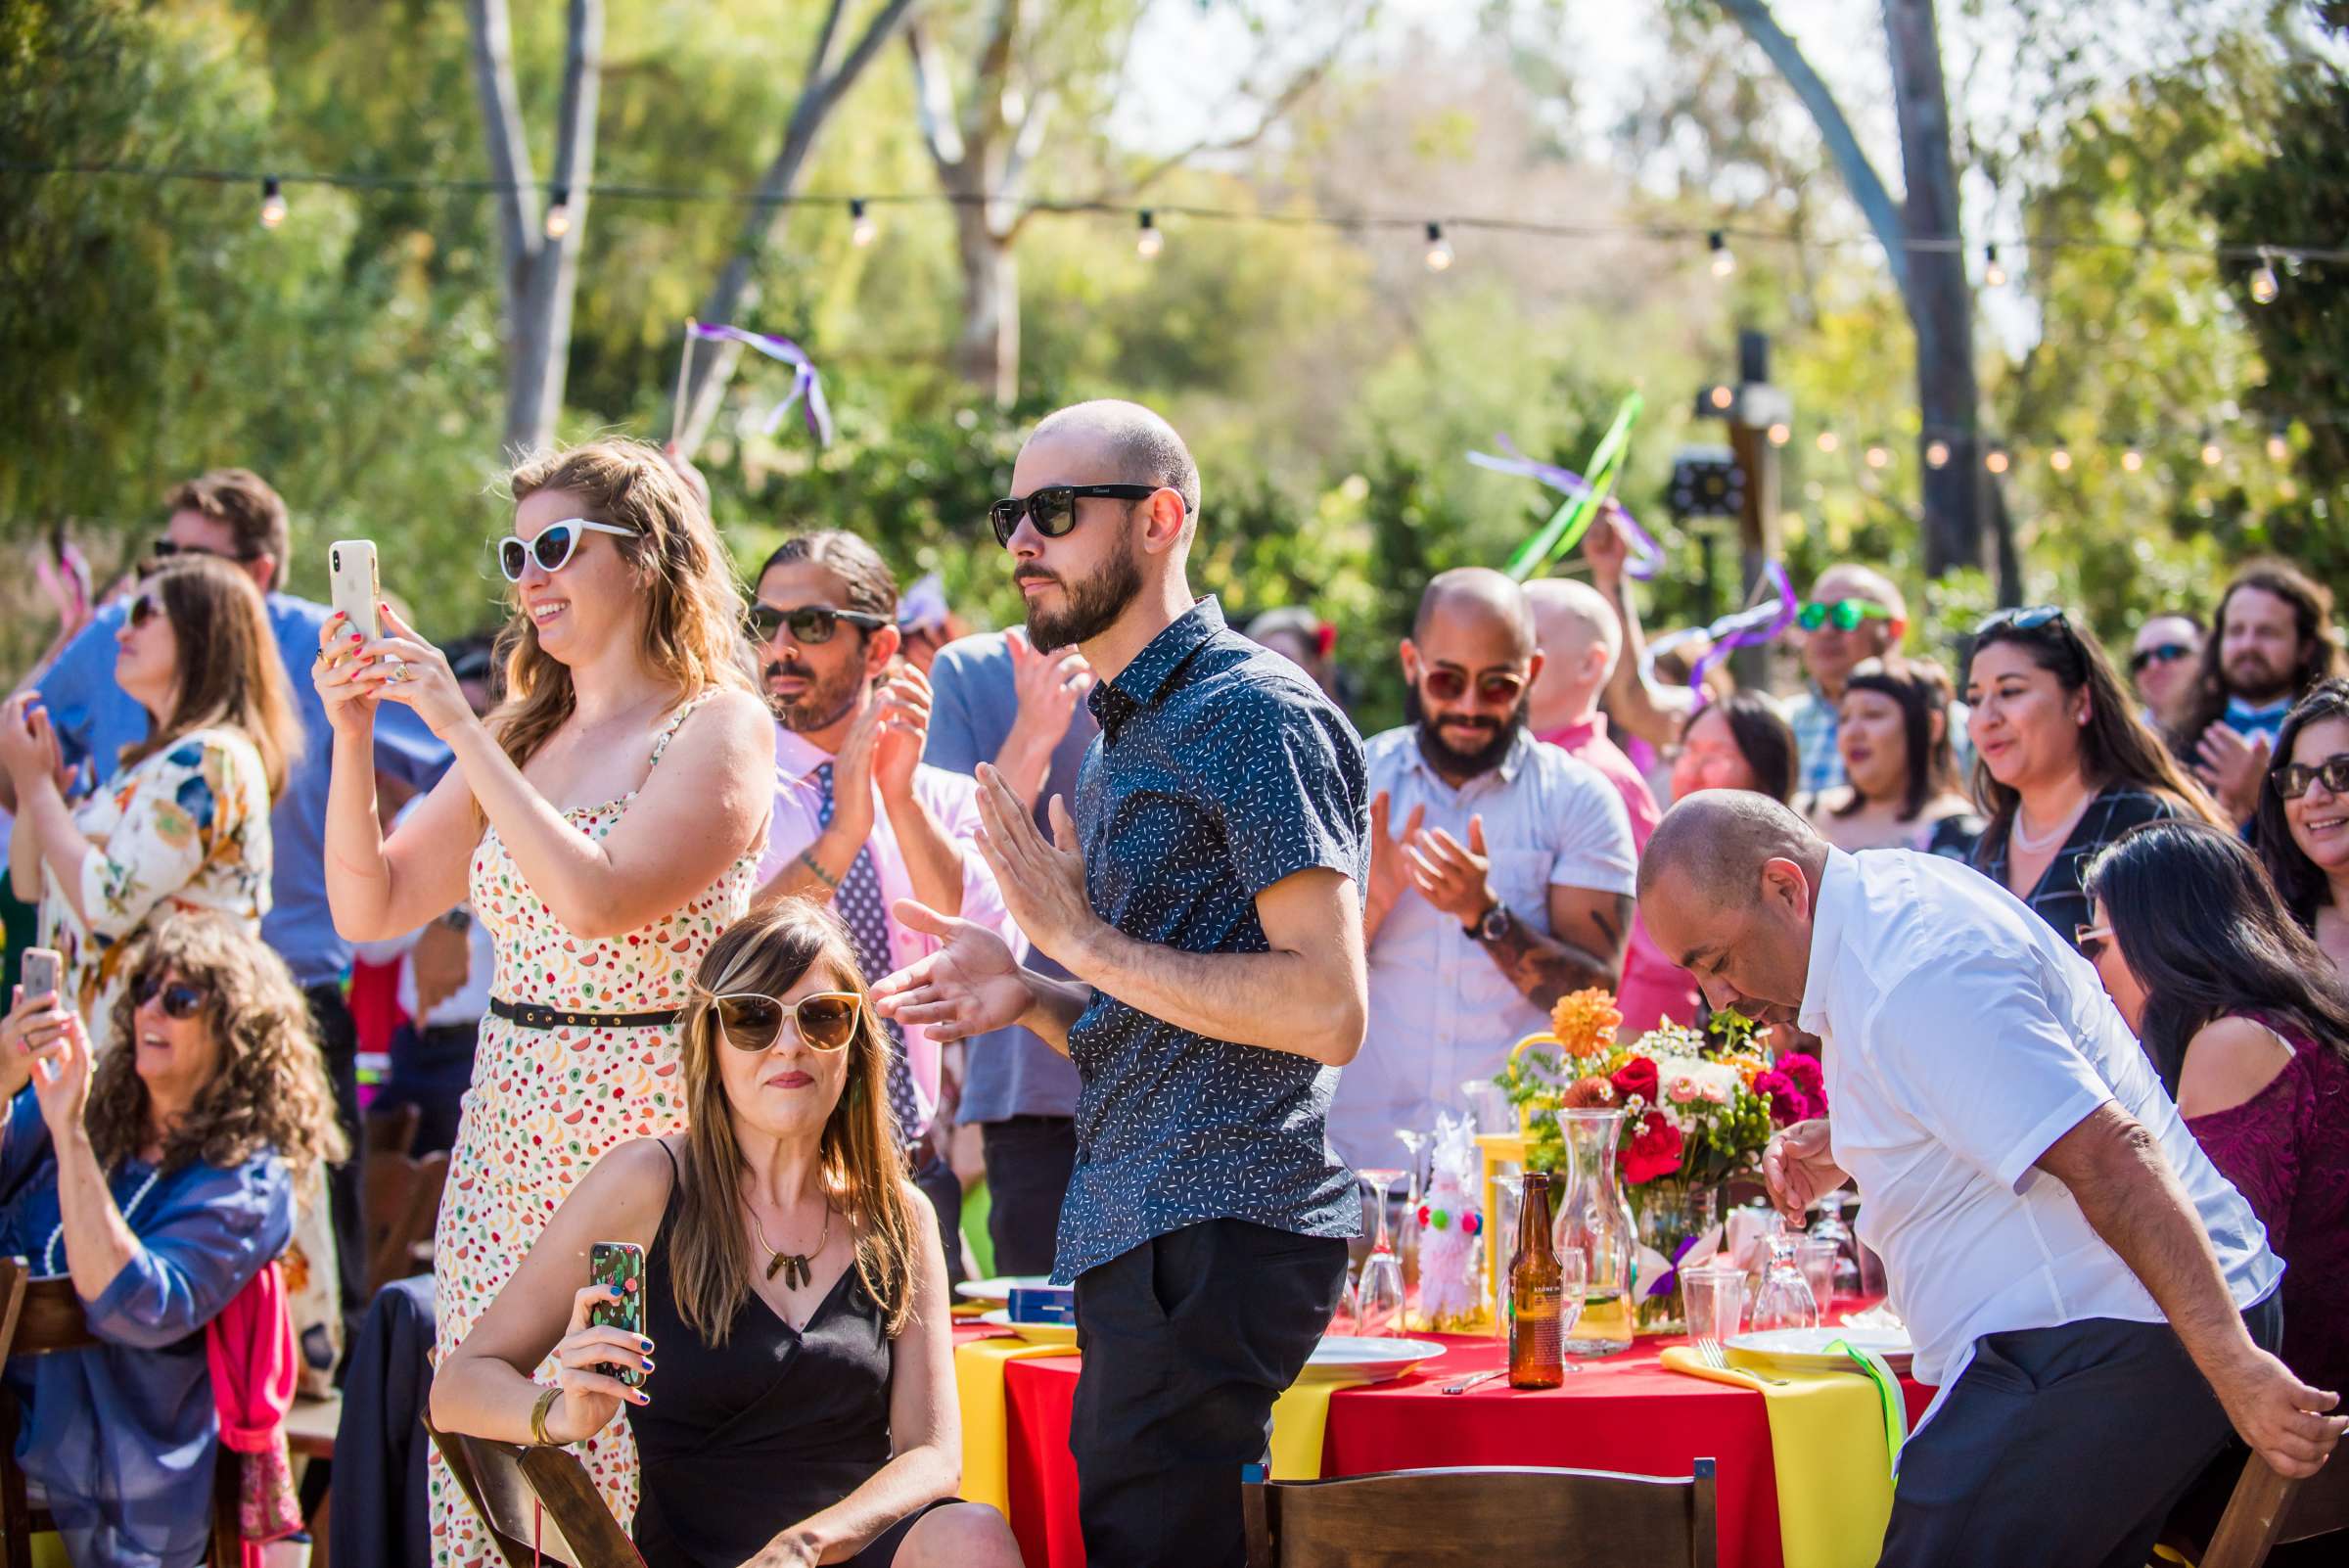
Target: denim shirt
x,y
1221,769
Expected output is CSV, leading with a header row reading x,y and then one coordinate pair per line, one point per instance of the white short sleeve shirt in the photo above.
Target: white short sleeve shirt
x,y
1962,1039
1441,1010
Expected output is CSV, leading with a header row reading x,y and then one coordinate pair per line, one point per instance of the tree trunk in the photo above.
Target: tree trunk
x,y
1941,302
987,353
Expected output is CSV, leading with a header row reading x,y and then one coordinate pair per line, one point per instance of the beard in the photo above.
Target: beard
x,y
823,704
1092,606
1447,758
2252,678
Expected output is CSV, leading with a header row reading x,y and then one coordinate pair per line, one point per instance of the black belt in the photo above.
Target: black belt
x,y
530,1015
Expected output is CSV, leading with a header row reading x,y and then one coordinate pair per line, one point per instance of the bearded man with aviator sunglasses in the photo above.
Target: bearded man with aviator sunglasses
x,y
1502,870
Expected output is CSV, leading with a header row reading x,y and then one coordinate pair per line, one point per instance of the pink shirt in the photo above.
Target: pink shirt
x,y
953,800
1654,988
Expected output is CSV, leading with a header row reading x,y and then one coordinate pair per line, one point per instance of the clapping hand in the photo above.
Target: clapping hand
x,y
969,985
1390,872
901,718
1451,875
1049,685
2232,765
28,748
1042,882
1606,547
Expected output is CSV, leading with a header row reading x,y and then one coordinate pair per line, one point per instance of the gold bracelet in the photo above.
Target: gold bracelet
x,y
538,1415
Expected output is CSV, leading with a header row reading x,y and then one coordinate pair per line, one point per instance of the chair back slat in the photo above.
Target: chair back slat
x,y
1567,1519
51,1319
538,1502
400,1203
2266,1510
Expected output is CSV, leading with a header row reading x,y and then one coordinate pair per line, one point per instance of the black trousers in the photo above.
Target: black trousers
x,y
2066,1447
944,1189
338,1044
1188,1339
431,1070
1028,1159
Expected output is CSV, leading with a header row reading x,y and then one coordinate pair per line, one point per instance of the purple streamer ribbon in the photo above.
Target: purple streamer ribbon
x,y
804,383
1646,556
1747,629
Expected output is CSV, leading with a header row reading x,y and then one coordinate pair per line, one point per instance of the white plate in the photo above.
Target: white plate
x,y
1377,1360
1808,1347
1032,1333
999,1290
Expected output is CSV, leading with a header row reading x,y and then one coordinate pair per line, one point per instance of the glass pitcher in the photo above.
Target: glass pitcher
x,y
1594,1218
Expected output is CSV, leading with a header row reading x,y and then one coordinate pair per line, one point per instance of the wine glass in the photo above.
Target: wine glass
x,y
1414,1142
1378,1303
1832,1226
1785,1299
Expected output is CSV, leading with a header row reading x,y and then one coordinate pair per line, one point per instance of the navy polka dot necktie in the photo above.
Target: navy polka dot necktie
x,y
858,900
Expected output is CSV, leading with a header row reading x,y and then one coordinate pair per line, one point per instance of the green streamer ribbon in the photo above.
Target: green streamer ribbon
x,y
1575,514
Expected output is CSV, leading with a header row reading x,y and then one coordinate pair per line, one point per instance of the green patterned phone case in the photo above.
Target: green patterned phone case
x,y
621,1263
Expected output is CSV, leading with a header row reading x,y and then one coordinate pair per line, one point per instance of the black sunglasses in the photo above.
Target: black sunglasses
x,y
162,550
826,1020
2292,779
1054,507
2162,652
182,999
808,624
143,608
1495,686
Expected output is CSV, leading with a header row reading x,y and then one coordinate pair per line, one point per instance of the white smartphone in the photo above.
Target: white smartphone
x,y
44,972
354,590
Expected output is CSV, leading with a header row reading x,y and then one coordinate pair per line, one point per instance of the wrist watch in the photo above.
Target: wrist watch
x,y
1494,925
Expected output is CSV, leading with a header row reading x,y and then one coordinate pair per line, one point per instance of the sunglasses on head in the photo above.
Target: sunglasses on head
x,y
826,1020
1053,509
181,998
1844,615
2292,779
2164,653
1495,686
553,547
2090,939
810,622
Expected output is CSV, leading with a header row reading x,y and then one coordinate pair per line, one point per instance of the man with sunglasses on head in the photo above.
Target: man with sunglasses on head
x,y
1502,870
235,514
860,822
1205,891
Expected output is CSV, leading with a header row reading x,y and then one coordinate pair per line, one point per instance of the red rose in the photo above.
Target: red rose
x,y
1655,1151
1788,1104
1636,1076
1804,1073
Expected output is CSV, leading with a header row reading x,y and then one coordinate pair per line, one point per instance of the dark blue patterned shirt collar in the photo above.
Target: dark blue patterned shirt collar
x,y
1144,680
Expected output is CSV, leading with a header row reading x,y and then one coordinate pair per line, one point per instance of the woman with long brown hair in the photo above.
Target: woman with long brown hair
x,y
162,1178
184,822
604,822
796,1401
2061,761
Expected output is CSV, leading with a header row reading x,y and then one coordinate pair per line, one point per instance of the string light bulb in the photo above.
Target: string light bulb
x,y
1937,454
2210,452
1828,441
1995,460
1780,435
1721,398
2279,445
2133,460
1724,261
1439,248
862,230
1878,456
2265,286
1148,240
558,212
273,203
2060,460
1994,276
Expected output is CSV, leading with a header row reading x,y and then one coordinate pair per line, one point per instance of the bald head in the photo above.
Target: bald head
x,y
1141,446
1478,597
1714,844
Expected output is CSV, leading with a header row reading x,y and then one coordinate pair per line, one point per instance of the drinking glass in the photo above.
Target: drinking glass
x,y
1819,1256
1785,1299
1414,1142
1343,1320
1715,1297
1378,1303
1508,1190
1489,1105
1575,1270
1846,1285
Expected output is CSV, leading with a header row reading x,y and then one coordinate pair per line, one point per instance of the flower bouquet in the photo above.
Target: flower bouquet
x,y
1698,1107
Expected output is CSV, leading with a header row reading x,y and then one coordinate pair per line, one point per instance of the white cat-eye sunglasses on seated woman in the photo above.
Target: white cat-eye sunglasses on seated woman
x,y
553,547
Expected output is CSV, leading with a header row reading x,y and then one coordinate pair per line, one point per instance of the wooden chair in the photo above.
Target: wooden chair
x,y
2266,1510
536,1503
1477,1517
400,1203
391,1130
42,1317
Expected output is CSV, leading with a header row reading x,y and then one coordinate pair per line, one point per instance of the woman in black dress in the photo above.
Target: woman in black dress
x,y
795,1293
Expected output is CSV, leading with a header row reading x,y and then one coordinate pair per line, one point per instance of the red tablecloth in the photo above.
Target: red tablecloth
x,y
1624,1413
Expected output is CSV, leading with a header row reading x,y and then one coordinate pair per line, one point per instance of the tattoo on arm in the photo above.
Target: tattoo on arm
x,y
1546,968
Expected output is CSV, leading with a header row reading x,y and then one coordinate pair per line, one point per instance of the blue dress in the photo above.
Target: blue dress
x,y
123,1437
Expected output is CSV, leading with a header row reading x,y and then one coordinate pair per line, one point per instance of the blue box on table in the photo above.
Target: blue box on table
x,y
1043,1304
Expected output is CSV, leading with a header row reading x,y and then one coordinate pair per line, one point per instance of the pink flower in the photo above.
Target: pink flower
x,y
1715,1093
1681,1091
1787,1103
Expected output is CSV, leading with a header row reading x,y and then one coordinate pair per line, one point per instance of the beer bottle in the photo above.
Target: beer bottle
x,y
1537,1295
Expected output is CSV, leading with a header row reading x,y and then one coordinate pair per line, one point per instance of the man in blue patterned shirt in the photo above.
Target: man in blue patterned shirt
x,y
1206,896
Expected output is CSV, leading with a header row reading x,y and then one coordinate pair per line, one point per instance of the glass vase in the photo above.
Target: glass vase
x,y
1673,1215
1595,1220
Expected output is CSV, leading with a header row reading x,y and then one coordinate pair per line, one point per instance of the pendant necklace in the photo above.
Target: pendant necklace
x,y
795,1267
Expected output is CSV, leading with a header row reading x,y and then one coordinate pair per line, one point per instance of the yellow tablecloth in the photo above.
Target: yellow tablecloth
x,y
1826,1440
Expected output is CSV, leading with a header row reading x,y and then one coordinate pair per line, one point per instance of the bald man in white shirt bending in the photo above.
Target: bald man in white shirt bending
x,y
2096,1303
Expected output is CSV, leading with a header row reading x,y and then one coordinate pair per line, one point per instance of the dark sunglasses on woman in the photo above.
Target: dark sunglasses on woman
x,y
826,1020
810,622
1450,685
143,608
182,999
2166,653
553,547
2292,779
1053,509
2090,939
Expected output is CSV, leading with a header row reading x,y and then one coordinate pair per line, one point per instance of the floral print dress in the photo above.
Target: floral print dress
x,y
186,827
546,1104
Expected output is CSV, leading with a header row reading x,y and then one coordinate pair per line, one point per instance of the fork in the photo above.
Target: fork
x,y
1710,1353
